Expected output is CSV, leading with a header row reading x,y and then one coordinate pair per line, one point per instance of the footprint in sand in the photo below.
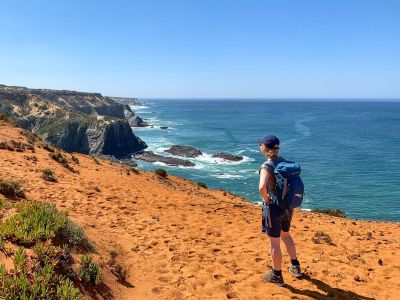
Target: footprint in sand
x,y
156,290
218,276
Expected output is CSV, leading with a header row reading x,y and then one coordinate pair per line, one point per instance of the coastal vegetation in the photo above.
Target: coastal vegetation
x,y
90,272
51,237
335,212
36,278
202,184
48,175
11,189
322,237
161,172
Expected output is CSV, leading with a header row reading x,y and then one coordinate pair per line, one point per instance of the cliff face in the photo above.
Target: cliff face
x,y
86,103
76,122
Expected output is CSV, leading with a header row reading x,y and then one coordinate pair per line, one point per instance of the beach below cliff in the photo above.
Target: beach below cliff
x,y
177,240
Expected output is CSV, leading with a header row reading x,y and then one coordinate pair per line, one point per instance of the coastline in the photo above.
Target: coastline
x,y
177,240
307,138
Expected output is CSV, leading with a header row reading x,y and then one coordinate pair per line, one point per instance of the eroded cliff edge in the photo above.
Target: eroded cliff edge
x,y
74,121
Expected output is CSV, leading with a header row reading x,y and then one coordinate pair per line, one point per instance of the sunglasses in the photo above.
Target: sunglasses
x,y
269,148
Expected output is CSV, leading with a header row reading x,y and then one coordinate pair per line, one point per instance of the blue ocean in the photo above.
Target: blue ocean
x,y
349,151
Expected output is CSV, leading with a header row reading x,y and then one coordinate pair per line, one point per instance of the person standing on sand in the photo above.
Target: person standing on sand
x,y
276,221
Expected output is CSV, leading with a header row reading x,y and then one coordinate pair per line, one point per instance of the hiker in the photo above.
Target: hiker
x,y
277,220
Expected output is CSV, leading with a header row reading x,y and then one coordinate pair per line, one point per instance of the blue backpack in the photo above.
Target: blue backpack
x,y
289,186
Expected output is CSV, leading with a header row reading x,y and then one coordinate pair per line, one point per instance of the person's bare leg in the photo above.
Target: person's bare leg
x,y
289,243
276,253
291,249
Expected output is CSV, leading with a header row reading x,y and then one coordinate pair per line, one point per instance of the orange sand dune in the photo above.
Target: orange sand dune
x,y
180,241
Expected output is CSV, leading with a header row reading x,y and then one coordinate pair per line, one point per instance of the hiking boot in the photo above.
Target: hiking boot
x,y
278,280
295,271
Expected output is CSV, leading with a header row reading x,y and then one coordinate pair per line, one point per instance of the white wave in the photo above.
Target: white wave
x,y
305,209
146,112
241,151
161,149
151,119
227,176
253,150
249,171
196,167
147,128
208,159
159,163
138,107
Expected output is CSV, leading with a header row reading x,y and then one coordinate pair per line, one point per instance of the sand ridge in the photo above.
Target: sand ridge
x,y
180,241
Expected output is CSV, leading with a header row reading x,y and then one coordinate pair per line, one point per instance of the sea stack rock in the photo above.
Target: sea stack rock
x,y
228,156
184,151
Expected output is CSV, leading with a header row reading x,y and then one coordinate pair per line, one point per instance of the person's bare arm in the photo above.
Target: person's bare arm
x,y
262,187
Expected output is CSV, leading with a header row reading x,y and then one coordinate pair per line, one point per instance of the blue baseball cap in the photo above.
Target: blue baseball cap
x,y
270,141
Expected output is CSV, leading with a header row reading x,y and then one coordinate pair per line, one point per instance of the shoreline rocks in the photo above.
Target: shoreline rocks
x,y
185,151
227,156
150,156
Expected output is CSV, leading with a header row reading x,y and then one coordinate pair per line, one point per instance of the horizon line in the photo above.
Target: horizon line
x,y
382,99
269,98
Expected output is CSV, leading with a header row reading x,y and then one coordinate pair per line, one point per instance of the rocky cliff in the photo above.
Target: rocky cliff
x,y
76,122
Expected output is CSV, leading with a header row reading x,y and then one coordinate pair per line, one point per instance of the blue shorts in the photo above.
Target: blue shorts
x,y
275,220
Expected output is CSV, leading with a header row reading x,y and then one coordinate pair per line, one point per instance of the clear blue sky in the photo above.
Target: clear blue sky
x,y
204,48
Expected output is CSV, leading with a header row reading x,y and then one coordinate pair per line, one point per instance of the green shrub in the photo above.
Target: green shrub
x,y
119,271
48,147
48,254
33,281
320,237
72,234
161,172
1,243
48,175
38,221
134,170
35,221
66,291
58,157
11,189
335,212
202,184
75,159
89,272
30,137
3,145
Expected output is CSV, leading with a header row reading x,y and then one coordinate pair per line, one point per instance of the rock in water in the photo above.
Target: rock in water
x,y
185,151
171,161
228,156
